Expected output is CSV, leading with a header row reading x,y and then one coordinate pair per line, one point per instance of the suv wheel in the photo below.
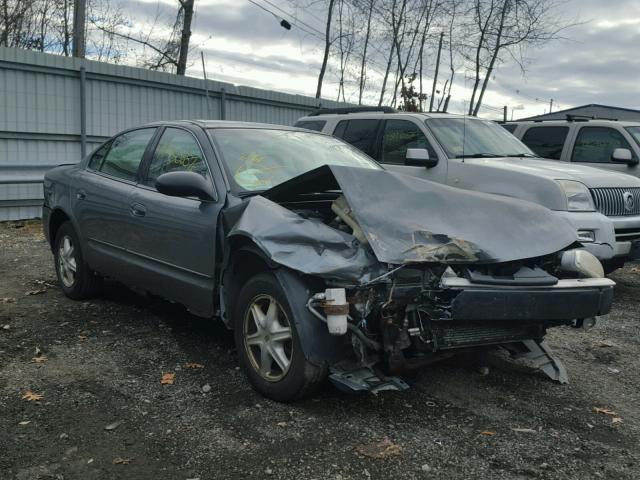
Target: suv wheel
x,y
76,279
267,341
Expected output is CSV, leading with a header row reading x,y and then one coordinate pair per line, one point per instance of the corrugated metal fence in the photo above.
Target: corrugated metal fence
x,y
55,109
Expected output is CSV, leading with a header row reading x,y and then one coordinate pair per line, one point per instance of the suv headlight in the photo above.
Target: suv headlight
x,y
579,197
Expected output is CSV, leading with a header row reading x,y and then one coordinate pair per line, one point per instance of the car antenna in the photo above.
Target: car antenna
x,y
464,132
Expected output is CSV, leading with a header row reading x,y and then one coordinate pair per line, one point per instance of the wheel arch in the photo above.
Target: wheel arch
x,y
56,219
245,260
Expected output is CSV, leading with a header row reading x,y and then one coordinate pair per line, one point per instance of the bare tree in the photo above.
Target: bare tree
x,y
327,47
506,27
364,52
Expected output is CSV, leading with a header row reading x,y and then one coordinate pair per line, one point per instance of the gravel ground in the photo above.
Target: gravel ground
x,y
104,413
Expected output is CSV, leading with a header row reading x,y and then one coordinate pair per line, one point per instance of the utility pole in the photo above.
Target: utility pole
x,y
435,76
550,105
504,113
79,19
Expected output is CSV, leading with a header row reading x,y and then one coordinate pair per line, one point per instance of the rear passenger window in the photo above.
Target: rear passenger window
x,y
399,135
359,133
596,144
316,125
177,151
125,154
546,142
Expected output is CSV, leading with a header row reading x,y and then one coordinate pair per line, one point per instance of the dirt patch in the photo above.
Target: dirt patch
x,y
105,414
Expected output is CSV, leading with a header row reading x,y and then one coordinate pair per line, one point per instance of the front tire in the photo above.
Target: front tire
x,y
75,277
268,344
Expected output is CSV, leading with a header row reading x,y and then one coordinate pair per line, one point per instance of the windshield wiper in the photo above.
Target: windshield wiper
x,y
480,155
528,155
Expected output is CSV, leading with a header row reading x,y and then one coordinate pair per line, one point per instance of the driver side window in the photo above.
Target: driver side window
x,y
400,135
177,151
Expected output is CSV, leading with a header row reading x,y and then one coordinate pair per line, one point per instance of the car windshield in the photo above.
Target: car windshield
x,y
258,159
635,133
475,138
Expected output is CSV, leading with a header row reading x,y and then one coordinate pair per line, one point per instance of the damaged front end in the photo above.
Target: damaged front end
x,y
409,272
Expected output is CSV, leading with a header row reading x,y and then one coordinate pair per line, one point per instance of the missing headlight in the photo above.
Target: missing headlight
x,y
582,262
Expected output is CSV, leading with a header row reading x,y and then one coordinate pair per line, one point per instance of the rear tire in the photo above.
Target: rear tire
x,y
75,277
268,345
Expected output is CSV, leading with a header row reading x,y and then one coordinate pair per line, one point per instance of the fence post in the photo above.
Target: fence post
x,y
83,112
223,104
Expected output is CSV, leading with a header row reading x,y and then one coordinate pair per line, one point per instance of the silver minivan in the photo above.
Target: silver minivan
x,y
476,154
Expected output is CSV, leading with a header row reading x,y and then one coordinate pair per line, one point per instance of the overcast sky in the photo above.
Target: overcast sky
x,y
599,63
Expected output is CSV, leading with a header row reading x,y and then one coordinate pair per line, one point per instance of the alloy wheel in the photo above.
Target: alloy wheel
x,y
268,338
67,264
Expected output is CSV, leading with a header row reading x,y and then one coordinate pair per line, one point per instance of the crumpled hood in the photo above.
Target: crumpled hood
x,y
553,169
406,219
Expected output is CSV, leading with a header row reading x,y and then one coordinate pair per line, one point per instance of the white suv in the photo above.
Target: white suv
x,y
476,154
606,144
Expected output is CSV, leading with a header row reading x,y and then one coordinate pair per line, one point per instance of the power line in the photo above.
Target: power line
x,y
279,17
296,19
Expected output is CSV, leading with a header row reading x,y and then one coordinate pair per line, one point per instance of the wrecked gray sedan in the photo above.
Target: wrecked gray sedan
x,y
323,263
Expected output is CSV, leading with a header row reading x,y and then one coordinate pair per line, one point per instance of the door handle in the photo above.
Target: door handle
x,y
81,195
138,210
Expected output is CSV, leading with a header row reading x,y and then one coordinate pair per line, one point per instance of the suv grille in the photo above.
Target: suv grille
x,y
617,202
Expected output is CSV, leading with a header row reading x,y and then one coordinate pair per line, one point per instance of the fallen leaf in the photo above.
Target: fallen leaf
x,y
24,422
36,292
29,396
616,420
7,300
281,424
168,378
121,461
385,448
193,365
40,359
114,425
487,433
82,338
605,411
604,344
524,430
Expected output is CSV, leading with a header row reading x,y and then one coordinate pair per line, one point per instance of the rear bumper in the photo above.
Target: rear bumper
x,y
566,301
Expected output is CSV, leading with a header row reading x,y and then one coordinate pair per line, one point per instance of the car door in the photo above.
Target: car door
x,y
101,199
398,135
594,146
173,238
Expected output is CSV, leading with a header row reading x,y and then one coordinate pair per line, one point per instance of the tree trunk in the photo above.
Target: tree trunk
x,y
483,32
390,59
327,46
364,53
187,5
66,42
4,39
494,57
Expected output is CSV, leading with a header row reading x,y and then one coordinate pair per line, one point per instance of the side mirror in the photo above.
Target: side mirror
x,y
185,184
623,155
419,157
